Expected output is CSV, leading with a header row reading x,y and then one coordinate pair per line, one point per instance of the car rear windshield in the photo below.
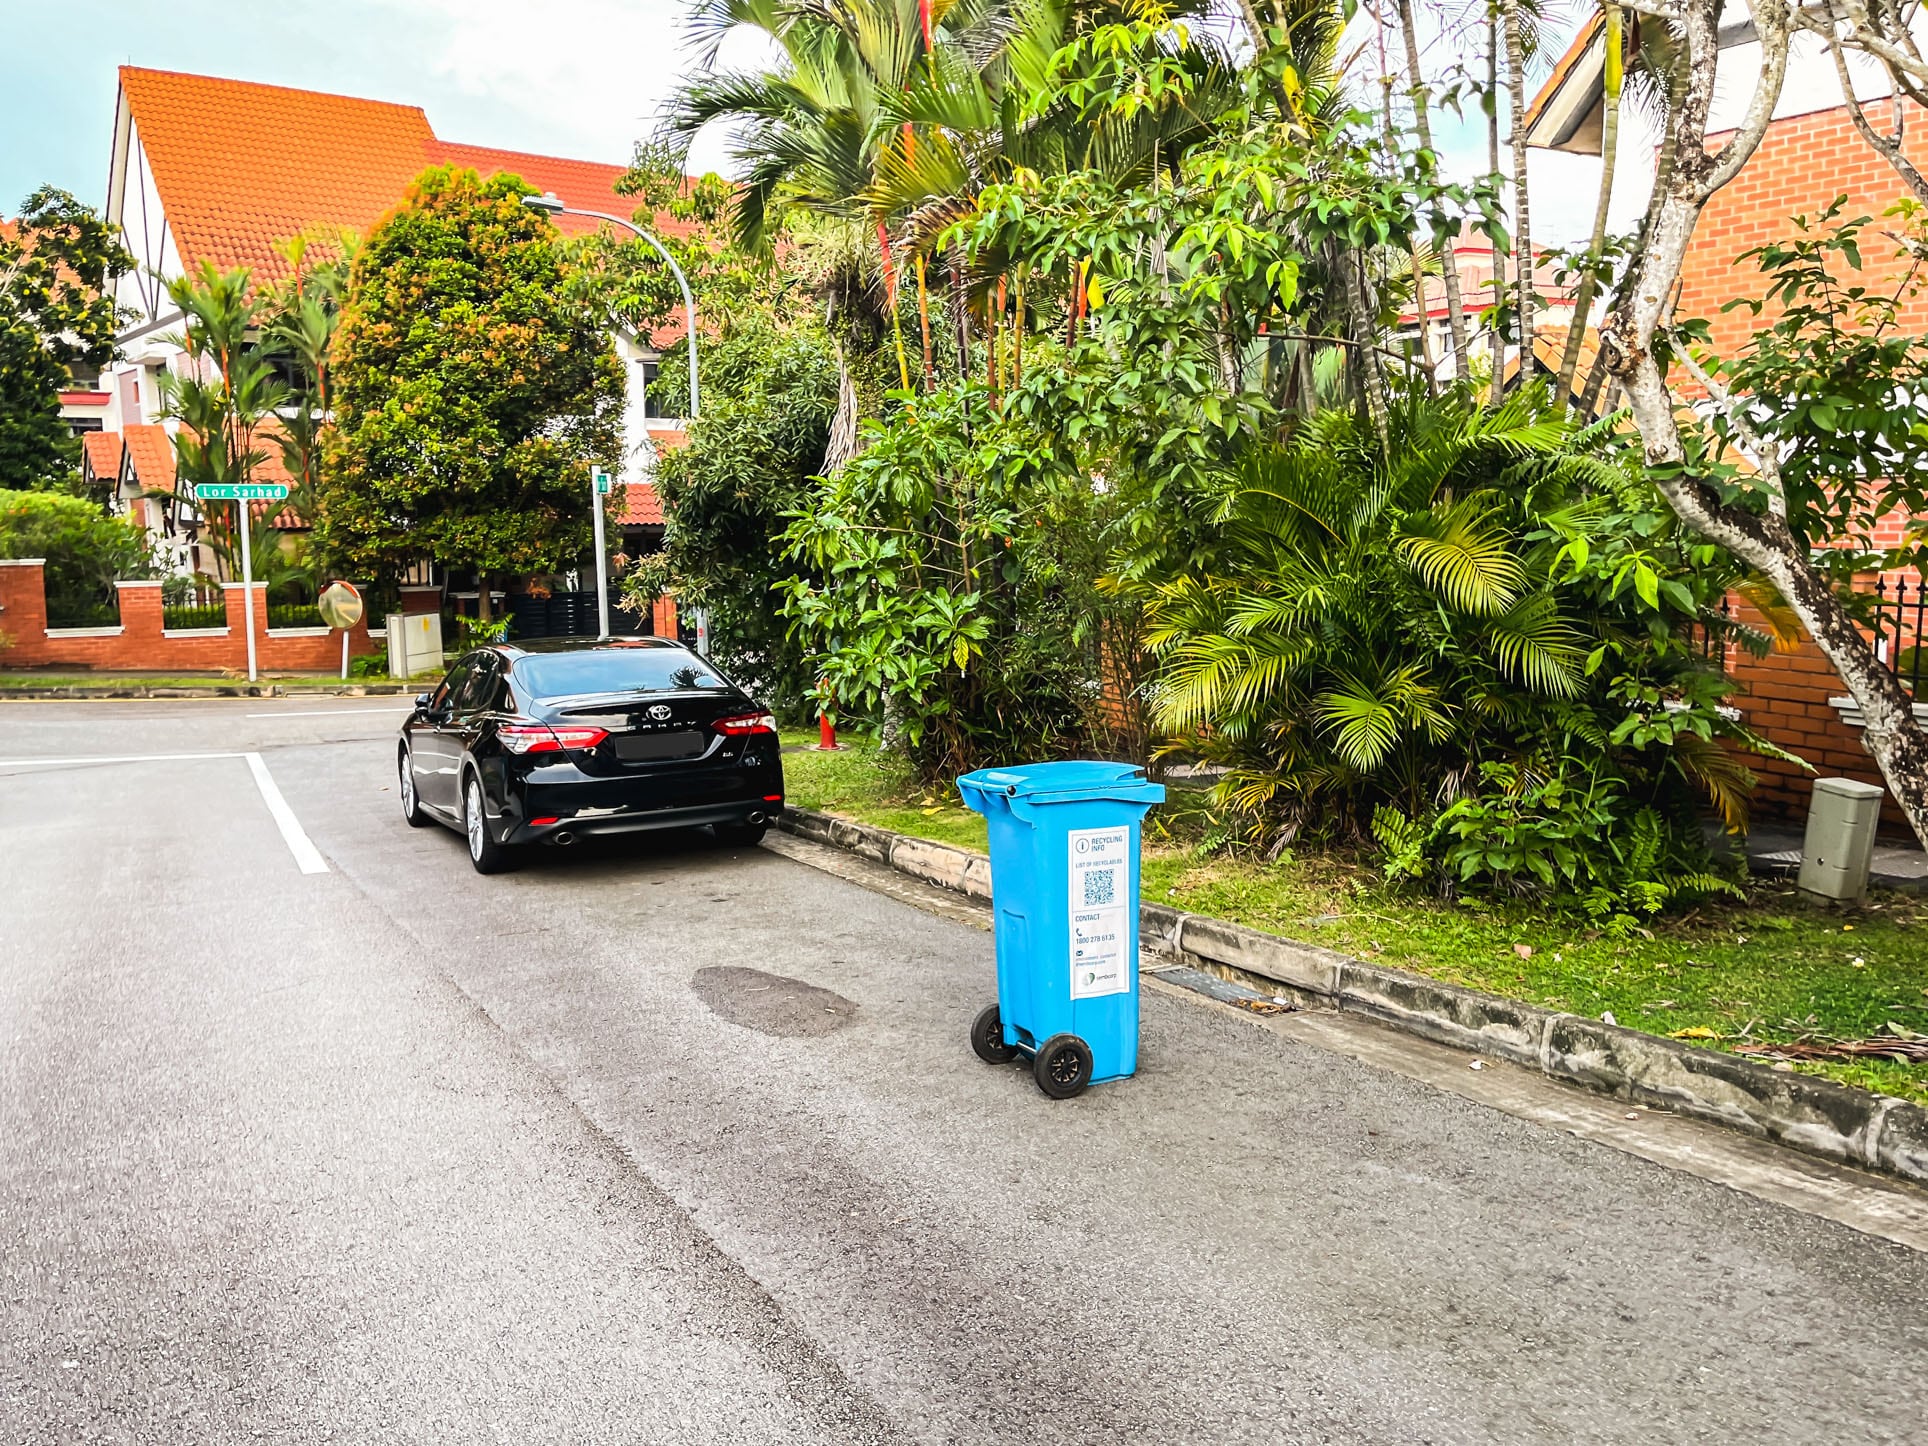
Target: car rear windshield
x,y
614,670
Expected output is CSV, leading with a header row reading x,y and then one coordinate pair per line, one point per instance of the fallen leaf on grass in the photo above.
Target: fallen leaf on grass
x,y
1525,951
1901,1051
1695,1031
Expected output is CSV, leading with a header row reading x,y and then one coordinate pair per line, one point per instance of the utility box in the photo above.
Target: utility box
x,y
414,644
1840,838
1064,892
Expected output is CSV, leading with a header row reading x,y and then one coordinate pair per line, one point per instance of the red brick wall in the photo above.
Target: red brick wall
x,y
1784,697
1803,163
141,644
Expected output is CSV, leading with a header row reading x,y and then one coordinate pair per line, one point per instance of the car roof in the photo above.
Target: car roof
x,y
584,645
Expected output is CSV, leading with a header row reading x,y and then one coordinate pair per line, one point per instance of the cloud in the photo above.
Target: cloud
x,y
581,77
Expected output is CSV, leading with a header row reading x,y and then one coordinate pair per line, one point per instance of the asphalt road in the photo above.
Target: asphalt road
x,y
671,1143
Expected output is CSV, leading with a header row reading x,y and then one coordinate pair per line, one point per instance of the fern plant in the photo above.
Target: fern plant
x,y
1367,640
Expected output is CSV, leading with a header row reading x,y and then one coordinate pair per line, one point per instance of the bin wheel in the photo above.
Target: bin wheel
x,y
987,1037
1063,1066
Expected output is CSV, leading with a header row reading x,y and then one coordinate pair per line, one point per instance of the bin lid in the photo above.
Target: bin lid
x,y
1069,781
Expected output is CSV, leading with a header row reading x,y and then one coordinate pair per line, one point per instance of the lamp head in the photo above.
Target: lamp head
x,y
548,201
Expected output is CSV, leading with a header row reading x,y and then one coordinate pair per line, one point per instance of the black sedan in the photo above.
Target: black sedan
x,y
547,742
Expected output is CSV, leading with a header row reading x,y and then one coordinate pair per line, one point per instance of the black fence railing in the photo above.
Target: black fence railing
x,y
82,610
569,615
1899,612
181,617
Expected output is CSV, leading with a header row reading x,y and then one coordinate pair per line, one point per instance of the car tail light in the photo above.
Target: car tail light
x,y
543,822
746,723
541,738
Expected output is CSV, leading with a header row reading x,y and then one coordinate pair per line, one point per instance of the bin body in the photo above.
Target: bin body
x,y
1064,892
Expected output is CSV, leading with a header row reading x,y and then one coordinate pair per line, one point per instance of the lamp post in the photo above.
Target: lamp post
x,y
552,204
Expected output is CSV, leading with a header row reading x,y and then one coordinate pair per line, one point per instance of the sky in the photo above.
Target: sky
x,y
578,78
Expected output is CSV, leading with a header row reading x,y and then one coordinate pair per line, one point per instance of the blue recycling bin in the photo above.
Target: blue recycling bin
x,y
1064,890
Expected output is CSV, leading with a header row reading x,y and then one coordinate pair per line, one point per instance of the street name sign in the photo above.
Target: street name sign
x,y
602,481
241,491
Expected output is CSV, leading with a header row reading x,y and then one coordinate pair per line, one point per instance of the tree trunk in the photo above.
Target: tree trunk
x,y
841,445
1609,152
1448,262
1498,335
1372,378
1897,743
1522,221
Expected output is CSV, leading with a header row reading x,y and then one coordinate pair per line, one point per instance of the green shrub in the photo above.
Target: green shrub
x,y
86,549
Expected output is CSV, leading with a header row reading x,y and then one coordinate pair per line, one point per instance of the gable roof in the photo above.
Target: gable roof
x,y
240,165
101,454
148,458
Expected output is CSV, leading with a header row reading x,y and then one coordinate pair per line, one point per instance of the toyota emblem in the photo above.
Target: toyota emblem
x,y
659,711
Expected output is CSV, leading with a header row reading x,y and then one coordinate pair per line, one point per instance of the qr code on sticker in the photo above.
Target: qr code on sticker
x,y
1100,887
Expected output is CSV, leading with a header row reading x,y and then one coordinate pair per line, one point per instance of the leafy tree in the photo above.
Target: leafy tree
x,y
1749,512
57,265
86,549
471,393
769,390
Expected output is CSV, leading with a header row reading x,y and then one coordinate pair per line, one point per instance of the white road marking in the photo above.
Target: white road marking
x,y
334,712
307,857
102,758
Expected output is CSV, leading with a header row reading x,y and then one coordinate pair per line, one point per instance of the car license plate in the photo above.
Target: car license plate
x,y
653,747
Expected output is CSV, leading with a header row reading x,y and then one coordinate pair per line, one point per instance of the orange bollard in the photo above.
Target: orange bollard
x,y
827,733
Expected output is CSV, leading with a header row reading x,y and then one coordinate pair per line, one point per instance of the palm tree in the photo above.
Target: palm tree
x,y
228,389
1613,71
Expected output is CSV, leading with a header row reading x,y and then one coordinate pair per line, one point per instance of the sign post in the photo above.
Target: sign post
x,y
601,485
340,606
240,494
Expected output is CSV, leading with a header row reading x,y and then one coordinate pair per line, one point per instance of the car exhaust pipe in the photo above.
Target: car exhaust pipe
x,y
563,837
759,817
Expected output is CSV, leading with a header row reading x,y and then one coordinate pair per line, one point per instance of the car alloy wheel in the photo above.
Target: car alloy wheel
x,y
477,825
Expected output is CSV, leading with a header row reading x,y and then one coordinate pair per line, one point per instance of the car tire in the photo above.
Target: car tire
x,y
740,835
1062,1067
987,1037
412,812
488,856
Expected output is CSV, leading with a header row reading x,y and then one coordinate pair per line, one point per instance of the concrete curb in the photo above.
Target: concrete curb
x,y
1817,1116
222,690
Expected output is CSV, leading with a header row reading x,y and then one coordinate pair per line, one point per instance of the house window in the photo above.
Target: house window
x,y
84,424
652,407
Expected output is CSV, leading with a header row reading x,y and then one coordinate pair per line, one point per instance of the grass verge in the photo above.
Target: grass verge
x,y
1772,969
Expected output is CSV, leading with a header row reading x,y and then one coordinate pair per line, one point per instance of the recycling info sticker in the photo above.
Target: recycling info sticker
x,y
1100,930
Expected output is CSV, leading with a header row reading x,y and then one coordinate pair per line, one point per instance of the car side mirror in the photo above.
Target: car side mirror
x,y
421,702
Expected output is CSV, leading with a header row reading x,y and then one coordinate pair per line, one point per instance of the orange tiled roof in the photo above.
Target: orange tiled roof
x,y
102,453
642,506
241,166
150,457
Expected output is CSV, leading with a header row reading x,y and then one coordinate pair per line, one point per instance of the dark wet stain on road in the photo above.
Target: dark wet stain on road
x,y
770,1003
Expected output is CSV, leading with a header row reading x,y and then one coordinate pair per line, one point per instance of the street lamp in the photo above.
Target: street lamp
x,y
551,204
